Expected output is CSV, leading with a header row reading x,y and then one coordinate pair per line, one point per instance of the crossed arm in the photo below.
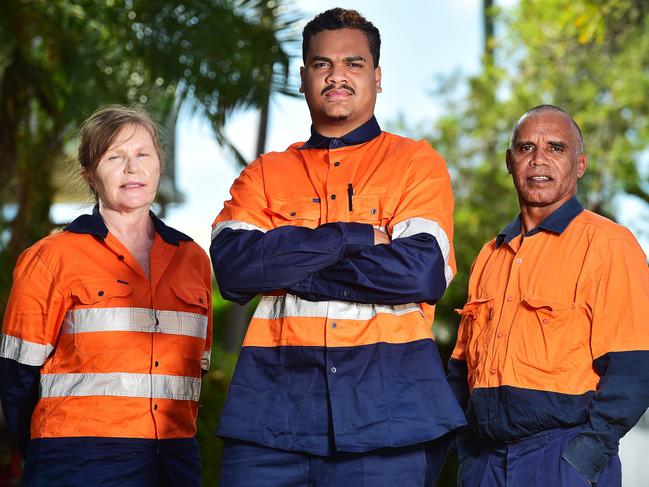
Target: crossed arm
x,y
335,261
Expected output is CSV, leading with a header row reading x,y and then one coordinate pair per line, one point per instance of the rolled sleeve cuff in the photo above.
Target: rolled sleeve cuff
x,y
584,457
359,237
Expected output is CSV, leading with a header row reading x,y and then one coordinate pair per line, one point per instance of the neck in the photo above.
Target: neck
x,y
134,224
533,216
336,128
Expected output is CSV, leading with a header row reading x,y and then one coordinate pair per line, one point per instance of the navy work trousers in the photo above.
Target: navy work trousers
x,y
112,462
532,462
251,465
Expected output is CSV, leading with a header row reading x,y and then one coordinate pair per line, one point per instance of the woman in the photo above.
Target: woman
x,y
108,328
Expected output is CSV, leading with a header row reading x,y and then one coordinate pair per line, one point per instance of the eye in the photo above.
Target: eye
x,y
557,148
320,65
526,147
356,65
143,154
114,157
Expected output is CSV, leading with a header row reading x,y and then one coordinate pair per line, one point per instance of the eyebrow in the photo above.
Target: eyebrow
x,y
348,59
142,147
557,143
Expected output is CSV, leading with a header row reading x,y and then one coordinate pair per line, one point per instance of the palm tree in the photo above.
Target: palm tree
x,y
60,60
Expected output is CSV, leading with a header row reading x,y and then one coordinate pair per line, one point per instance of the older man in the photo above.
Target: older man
x,y
552,356
348,238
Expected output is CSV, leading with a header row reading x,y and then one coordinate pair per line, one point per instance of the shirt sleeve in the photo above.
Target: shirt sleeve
x,y
418,264
29,333
207,351
620,347
250,256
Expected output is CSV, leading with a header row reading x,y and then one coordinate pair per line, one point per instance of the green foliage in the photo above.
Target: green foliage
x,y
61,59
213,393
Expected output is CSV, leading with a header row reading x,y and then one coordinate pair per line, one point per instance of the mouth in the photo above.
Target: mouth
x,y
128,186
539,179
340,92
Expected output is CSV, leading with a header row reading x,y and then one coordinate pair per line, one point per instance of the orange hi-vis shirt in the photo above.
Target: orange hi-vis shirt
x,y
120,355
555,333
339,354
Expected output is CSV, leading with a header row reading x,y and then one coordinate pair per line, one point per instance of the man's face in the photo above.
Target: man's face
x,y
546,161
340,81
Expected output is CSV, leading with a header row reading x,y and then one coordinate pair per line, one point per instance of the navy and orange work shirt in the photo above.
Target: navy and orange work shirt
x,y
339,354
555,334
97,349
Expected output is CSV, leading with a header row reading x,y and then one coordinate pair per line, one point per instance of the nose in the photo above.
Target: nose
x,y
337,74
131,165
537,158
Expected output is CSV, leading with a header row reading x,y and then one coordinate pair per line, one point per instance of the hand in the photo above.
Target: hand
x,y
380,237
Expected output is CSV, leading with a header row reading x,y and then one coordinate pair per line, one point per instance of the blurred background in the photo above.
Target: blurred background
x,y
221,77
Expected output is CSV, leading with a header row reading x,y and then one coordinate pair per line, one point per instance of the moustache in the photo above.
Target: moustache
x,y
328,88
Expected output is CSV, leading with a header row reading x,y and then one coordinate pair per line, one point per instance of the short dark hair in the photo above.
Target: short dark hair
x,y
340,18
546,108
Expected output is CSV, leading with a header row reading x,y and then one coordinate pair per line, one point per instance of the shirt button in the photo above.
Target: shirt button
x,y
100,293
120,257
545,321
334,325
333,196
509,298
293,213
155,407
157,322
336,164
519,261
493,371
499,334
156,363
335,142
346,293
333,370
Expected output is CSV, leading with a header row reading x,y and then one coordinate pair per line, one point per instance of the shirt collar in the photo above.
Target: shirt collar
x,y
557,222
94,225
366,132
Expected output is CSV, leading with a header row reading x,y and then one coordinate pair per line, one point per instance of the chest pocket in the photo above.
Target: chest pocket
x,y
100,306
99,291
375,209
476,318
301,212
544,334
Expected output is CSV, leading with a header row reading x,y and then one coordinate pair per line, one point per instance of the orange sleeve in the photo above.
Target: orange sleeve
x,y
34,313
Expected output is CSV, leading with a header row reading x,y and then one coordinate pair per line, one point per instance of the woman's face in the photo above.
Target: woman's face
x,y
127,175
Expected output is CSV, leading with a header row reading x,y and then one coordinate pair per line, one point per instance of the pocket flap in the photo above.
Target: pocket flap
x,y
298,209
195,296
470,307
94,291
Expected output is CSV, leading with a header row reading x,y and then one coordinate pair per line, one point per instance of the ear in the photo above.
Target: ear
x,y
508,161
582,164
83,173
377,79
302,74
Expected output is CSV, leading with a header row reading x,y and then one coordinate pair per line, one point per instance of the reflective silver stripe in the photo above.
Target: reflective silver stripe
x,y
122,385
135,319
413,226
234,225
276,307
28,353
206,359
